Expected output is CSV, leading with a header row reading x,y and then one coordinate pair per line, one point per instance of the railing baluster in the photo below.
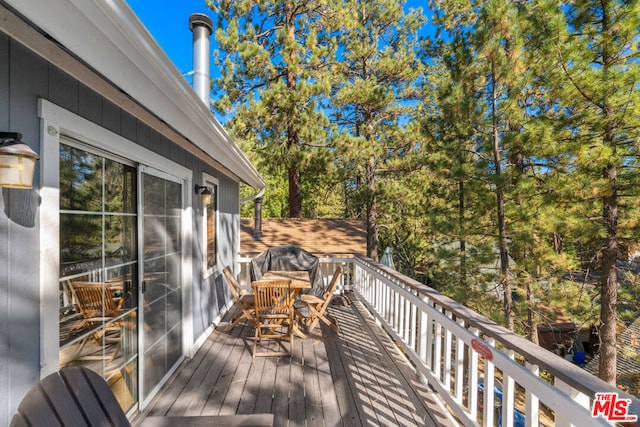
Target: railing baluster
x,y
430,333
489,384
447,354
401,317
388,309
424,333
392,308
472,374
413,326
437,352
531,401
371,288
459,386
508,392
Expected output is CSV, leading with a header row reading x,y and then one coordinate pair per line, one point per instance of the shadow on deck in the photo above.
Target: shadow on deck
x,y
355,378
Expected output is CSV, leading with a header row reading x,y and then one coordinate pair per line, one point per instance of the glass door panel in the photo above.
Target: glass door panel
x,y
162,275
98,269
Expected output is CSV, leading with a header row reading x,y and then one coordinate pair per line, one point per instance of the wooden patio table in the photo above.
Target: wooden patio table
x,y
299,280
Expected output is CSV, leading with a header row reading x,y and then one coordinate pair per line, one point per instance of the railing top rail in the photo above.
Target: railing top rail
x,y
560,368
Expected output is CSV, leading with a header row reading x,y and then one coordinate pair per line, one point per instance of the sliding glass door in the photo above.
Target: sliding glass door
x,y
162,275
120,270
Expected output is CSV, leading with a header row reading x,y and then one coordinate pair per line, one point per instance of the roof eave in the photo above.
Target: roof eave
x,y
109,37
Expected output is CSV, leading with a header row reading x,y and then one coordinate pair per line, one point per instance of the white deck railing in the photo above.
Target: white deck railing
x,y
457,351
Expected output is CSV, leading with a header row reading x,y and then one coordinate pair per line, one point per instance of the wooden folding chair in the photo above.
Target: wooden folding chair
x,y
274,312
318,305
245,301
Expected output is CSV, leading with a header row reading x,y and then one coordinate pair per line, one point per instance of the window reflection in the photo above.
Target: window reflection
x,y
162,275
98,268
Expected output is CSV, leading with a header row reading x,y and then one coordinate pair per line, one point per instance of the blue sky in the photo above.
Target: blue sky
x,y
168,23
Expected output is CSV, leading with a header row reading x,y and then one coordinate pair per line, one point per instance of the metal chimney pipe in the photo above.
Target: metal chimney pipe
x,y
201,26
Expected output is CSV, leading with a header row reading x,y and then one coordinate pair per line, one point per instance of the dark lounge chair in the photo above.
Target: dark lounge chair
x,y
79,397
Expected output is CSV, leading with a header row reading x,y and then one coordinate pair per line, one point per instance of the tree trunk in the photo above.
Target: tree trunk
x,y
557,243
463,243
532,320
372,211
609,293
293,139
295,193
505,274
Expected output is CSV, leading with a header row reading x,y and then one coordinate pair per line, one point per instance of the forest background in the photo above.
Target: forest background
x,y
499,157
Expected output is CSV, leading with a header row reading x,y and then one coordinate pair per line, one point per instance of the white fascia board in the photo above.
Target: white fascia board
x,y
109,37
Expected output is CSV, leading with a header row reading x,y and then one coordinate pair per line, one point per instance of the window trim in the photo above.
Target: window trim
x,y
207,181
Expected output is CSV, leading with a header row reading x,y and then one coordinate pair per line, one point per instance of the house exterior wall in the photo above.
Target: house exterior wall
x,y
24,78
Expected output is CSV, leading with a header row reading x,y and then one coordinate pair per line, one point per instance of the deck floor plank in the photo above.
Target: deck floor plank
x,y
409,396
344,386
394,409
205,380
264,397
356,377
192,391
249,397
330,408
313,394
238,383
281,391
355,344
178,382
220,377
296,404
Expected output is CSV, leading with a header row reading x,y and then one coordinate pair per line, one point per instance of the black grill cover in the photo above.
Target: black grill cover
x,y
289,258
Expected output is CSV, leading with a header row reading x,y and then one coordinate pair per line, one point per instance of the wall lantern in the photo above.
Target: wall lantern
x,y
205,194
17,161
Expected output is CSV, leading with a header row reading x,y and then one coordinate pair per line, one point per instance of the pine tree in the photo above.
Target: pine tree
x,y
274,74
377,68
596,84
457,194
491,33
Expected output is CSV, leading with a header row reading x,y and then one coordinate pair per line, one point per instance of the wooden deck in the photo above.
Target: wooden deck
x,y
354,378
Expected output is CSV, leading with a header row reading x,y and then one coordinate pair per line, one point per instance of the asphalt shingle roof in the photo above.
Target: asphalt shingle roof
x,y
317,236
628,363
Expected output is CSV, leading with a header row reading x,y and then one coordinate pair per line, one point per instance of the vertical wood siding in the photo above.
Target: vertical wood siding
x,y
4,241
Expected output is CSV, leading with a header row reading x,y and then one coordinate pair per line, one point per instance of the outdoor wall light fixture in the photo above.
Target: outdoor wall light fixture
x,y
17,161
205,194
